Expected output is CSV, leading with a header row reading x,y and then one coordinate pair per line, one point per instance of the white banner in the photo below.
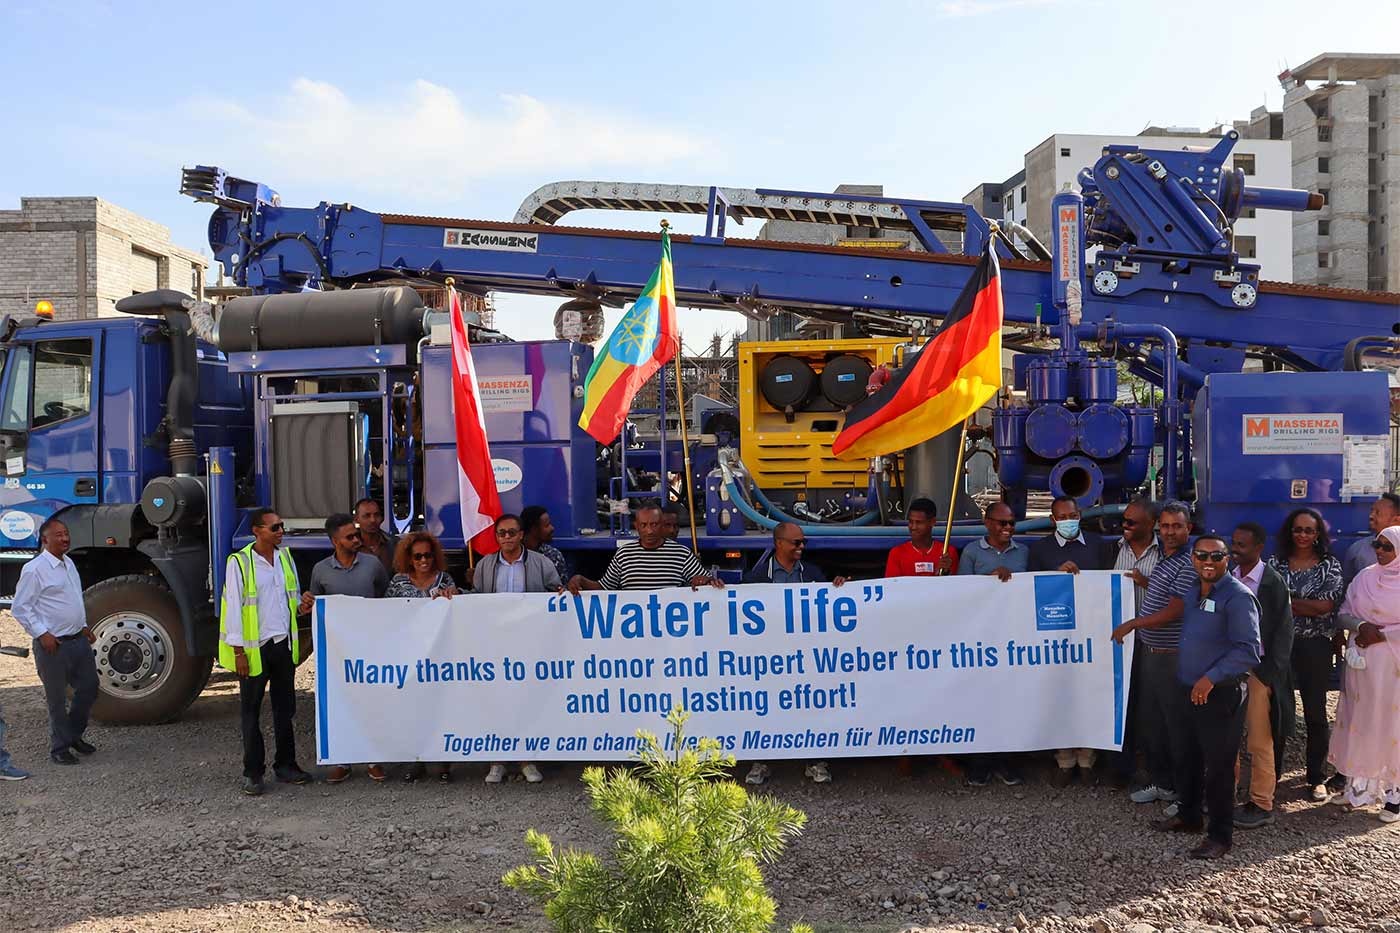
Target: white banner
x,y
908,666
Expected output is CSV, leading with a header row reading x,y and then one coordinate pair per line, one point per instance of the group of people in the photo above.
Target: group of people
x,y
1223,638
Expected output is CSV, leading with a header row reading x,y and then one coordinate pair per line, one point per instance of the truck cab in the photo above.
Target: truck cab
x,y
82,421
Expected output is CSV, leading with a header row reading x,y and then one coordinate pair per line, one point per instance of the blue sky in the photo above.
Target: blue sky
x,y
462,109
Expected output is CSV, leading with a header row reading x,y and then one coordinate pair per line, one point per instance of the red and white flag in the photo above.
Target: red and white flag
x,y
476,478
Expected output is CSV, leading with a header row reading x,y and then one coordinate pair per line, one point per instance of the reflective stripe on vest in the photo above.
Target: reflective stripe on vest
x,y
248,604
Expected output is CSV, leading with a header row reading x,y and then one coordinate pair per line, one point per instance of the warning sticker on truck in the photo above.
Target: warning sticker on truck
x,y
502,240
1295,433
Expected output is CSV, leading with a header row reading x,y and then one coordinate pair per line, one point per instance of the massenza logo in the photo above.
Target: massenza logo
x,y
1256,427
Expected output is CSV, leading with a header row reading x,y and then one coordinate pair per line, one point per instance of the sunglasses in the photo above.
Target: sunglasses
x,y
274,528
1382,544
422,555
1305,532
1130,523
355,535
1003,522
1214,557
507,532
795,542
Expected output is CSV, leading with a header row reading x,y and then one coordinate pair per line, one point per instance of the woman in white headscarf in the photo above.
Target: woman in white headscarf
x,y
1366,743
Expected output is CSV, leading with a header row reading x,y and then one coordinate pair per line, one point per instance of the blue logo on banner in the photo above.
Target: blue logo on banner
x,y
1054,602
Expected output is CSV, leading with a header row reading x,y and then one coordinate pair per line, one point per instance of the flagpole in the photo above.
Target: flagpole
x,y
953,494
685,439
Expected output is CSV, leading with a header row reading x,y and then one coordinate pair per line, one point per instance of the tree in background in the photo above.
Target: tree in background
x,y
689,846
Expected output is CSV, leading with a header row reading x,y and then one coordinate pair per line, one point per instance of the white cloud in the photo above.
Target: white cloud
x,y
420,140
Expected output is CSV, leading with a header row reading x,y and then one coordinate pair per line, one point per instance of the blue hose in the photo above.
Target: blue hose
x,y
866,519
960,529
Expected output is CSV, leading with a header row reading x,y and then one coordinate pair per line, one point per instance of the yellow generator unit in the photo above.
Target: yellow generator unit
x,y
793,397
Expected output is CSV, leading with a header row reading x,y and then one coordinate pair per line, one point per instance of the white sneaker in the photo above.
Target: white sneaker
x,y
818,773
496,775
1389,815
1320,793
758,773
532,773
1172,811
1150,794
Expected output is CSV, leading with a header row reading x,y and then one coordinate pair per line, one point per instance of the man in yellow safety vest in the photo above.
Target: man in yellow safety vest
x,y
258,641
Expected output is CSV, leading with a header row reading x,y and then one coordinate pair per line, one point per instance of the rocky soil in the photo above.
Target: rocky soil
x,y
151,833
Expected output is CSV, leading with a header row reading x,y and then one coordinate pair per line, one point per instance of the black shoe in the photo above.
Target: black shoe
x,y
83,748
1061,777
413,772
1210,849
1336,783
252,787
64,757
978,777
444,776
293,775
1175,824
1009,776
1251,816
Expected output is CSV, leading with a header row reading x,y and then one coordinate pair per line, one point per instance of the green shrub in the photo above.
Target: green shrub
x,y
689,845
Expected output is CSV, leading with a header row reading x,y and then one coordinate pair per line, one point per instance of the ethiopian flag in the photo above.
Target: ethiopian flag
x,y
644,341
951,376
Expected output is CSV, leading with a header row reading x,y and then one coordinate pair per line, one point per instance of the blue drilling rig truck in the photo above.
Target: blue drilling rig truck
x,y
325,377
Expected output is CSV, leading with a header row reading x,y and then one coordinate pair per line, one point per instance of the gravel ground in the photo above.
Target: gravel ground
x,y
152,834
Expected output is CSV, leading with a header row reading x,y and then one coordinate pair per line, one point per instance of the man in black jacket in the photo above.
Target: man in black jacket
x,y
1069,550
1269,705
785,564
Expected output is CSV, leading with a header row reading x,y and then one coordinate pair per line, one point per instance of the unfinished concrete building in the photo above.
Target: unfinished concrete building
x,y
84,254
1341,111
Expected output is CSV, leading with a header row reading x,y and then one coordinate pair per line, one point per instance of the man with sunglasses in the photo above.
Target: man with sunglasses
x,y
785,564
1385,513
1136,554
513,568
995,554
1170,586
1219,646
347,572
258,641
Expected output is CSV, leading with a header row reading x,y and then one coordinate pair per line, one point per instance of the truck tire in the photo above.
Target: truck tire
x,y
145,675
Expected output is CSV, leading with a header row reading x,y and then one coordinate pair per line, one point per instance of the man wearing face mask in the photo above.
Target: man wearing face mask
x,y
1172,582
1069,550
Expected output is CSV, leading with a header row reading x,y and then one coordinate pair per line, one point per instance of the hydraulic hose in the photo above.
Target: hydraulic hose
x,y
774,510
960,529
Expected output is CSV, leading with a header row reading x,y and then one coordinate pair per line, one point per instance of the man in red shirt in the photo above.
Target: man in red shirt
x,y
921,556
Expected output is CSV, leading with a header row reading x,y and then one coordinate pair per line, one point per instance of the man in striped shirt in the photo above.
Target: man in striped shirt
x,y
1137,555
652,562
1158,624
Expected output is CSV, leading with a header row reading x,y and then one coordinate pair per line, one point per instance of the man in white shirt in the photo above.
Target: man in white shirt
x,y
49,604
258,641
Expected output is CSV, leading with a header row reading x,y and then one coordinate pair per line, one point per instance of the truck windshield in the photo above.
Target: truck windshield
x,y
14,415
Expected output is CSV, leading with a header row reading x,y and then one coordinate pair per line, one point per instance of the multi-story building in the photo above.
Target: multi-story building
x,y
84,254
1341,113
1264,238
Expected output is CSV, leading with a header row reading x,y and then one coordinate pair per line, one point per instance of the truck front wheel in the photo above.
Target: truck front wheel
x,y
144,673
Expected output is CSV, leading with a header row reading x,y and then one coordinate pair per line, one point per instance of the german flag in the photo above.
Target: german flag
x,y
951,376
